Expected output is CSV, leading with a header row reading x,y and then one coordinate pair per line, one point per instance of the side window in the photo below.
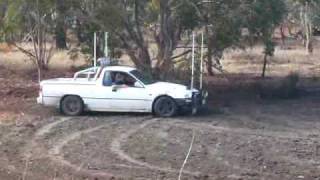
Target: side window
x,y
118,78
107,79
129,80
121,78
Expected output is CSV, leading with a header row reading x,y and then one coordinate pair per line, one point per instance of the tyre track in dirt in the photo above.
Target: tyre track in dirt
x,y
116,148
243,131
55,153
277,136
181,124
33,145
34,148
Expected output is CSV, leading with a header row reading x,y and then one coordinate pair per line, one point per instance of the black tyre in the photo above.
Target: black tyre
x,y
165,107
72,106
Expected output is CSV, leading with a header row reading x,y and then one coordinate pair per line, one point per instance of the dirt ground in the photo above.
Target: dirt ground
x,y
239,136
236,138
257,140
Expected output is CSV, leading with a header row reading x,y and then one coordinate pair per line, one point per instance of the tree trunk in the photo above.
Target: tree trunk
x,y
167,39
145,60
79,31
265,61
309,44
307,22
141,59
39,74
164,63
209,62
60,33
283,36
60,36
290,30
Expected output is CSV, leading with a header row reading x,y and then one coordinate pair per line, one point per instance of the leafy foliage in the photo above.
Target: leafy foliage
x,y
226,21
136,25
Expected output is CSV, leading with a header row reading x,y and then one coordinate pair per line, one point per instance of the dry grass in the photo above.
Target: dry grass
x,y
11,58
284,62
249,61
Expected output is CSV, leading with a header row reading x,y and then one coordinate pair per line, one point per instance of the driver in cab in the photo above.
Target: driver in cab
x,y
123,81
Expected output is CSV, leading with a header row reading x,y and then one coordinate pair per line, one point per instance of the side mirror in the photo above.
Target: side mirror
x,y
138,85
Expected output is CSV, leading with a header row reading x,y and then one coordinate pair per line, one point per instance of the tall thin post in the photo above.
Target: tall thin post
x,y
201,63
193,60
95,49
106,48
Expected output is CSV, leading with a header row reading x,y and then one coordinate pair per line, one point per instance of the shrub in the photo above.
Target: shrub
x,y
284,89
288,88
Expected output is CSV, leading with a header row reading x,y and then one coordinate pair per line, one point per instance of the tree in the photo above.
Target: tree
x,y
149,31
223,24
34,17
173,18
60,25
10,19
307,13
123,19
138,23
225,21
3,7
268,52
264,17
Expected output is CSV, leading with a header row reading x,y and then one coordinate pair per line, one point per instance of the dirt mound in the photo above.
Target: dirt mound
x,y
24,84
12,84
18,92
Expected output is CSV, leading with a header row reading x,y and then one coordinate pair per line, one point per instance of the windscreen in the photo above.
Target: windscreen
x,y
145,79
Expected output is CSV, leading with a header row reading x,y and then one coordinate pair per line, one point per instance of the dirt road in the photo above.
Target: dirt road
x,y
261,140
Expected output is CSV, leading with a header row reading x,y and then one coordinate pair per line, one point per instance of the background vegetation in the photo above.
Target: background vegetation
x,y
155,33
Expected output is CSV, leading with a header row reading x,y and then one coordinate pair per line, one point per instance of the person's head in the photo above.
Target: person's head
x,y
119,77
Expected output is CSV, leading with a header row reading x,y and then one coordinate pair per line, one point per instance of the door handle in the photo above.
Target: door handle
x,y
114,88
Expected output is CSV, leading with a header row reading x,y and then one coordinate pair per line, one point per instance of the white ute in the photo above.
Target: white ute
x,y
117,89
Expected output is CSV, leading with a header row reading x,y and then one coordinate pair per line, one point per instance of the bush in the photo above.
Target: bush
x,y
283,89
289,89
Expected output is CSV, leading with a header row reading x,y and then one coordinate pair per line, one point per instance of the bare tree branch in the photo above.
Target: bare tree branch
x,y
28,53
182,54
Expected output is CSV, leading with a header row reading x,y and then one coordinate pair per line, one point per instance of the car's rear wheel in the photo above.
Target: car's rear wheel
x,y
165,107
72,106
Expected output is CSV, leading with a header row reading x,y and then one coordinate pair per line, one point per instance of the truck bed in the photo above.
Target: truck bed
x,y
70,81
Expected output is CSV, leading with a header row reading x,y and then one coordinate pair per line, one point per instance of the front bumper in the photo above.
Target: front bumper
x,y
184,102
198,101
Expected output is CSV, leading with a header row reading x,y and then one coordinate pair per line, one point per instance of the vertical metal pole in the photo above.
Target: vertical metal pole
x,y
95,49
106,48
201,63
193,60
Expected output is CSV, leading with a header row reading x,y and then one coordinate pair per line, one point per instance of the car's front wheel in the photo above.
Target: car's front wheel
x,y
72,106
165,107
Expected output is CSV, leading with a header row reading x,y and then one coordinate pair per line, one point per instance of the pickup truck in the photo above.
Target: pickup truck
x,y
117,89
